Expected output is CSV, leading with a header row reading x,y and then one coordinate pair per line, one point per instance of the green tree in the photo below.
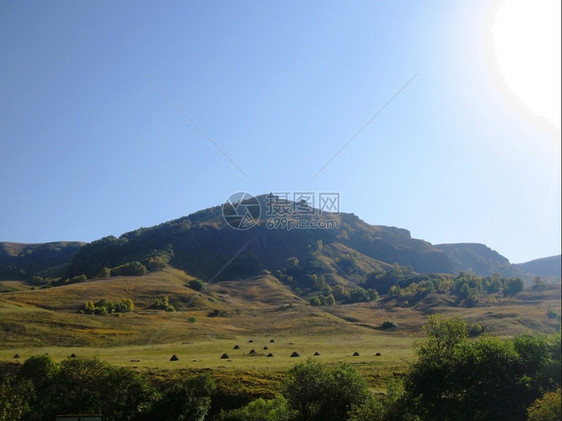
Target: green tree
x,y
78,278
330,300
341,292
189,400
305,387
317,392
162,303
41,372
104,273
129,269
372,294
315,301
346,389
276,409
81,386
444,336
546,408
513,286
14,399
457,379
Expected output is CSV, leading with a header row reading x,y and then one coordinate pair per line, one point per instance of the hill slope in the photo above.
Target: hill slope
x,y
479,259
547,266
23,261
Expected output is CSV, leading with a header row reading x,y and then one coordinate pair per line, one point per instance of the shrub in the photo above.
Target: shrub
x,y
129,269
162,304
79,278
475,329
388,325
104,307
217,313
104,273
551,313
197,285
315,301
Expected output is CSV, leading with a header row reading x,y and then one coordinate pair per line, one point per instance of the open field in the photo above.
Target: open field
x,y
259,309
395,350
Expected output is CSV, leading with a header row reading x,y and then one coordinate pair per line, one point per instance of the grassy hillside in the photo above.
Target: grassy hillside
x,y
549,267
260,306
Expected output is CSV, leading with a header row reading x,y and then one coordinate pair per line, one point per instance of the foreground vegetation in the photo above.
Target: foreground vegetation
x,y
452,378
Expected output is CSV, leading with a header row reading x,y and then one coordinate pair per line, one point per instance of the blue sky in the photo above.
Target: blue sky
x,y
89,147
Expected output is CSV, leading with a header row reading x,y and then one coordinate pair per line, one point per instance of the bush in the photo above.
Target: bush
x,y
104,307
388,325
197,285
162,303
129,269
475,329
217,313
315,301
551,313
79,278
104,273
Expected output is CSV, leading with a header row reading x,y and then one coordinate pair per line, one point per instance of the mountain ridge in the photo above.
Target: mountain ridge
x,y
203,244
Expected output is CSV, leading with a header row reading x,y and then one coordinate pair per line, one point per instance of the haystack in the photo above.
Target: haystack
x,y
272,340
17,356
270,355
356,354
265,348
295,354
236,347
174,358
252,352
251,341
316,354
73,355
224,356
378,354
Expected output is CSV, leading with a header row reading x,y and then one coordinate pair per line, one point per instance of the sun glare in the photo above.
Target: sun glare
x,y
525,38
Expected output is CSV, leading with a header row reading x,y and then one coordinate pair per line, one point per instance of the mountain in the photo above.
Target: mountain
x,y
547,266
23,261
203,243
479,259
340,246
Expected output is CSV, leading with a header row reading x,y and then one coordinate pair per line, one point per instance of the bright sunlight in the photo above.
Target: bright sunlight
x,y
526,48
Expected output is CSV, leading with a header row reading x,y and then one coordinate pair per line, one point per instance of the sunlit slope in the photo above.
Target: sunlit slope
x,y
259,305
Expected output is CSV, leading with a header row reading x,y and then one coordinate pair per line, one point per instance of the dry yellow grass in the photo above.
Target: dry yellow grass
x,y
260,308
